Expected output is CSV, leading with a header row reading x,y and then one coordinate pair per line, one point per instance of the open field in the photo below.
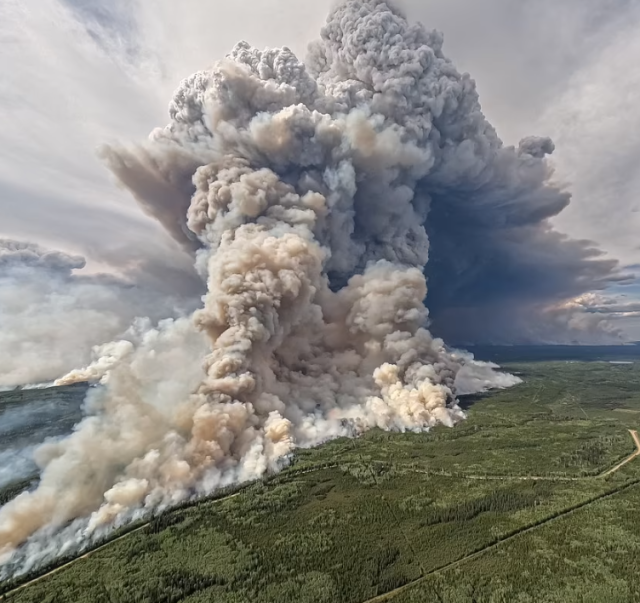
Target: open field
x,y
513,505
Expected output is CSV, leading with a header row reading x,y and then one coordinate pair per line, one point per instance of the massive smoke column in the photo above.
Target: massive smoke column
x,y
306,192
498,271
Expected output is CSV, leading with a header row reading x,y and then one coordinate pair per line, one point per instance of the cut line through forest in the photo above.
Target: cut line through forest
x,y
294,474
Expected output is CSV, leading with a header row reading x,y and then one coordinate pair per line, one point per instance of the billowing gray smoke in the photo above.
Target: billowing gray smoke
x,y
314,195
424,174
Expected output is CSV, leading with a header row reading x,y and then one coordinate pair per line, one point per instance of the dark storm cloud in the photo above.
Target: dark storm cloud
x,y
492,280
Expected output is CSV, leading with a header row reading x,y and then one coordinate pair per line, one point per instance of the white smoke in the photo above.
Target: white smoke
x,y
476,376
299,185
107,356
51,317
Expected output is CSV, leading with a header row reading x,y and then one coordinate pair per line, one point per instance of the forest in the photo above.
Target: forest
x,y
514,505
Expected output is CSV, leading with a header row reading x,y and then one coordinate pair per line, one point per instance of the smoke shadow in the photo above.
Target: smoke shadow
x,y
468,400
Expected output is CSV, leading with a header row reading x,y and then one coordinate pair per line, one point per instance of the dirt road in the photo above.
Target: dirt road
x,y
636,439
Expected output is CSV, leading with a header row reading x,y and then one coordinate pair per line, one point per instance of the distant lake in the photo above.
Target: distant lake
x,y
617,354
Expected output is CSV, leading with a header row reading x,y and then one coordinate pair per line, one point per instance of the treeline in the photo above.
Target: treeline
x,y
12,490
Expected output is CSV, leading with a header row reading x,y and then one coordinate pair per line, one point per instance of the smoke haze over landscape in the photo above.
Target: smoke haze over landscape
x,y
316,228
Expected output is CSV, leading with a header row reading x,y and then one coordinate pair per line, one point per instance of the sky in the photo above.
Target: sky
x,y
80,73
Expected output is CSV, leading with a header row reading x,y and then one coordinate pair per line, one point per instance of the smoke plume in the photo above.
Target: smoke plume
x,y
314,196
